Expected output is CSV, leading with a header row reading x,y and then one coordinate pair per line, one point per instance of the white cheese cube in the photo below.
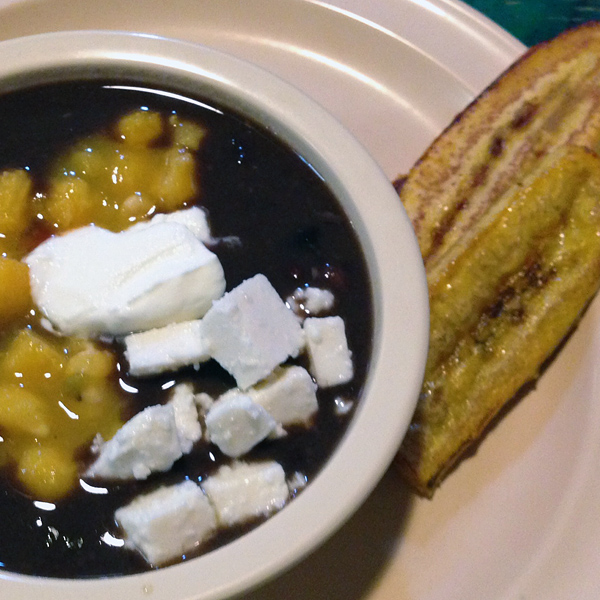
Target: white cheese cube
x,y
310,301
236,424
317,300
166,524
148,442
289,395
193,218
330,358
250,331
245,491
203,402
188,426
166,349
92,282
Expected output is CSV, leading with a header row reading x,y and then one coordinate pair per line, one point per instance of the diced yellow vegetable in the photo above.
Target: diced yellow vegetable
x,y
137,206
47,471
140,128
91,363
60,396
15,291
15,202
177,181
88,159
131,172
116,181
87,367
56,393
71,203
185,133
34,362
22,412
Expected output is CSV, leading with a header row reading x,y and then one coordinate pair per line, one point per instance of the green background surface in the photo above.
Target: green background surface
x,y
532,21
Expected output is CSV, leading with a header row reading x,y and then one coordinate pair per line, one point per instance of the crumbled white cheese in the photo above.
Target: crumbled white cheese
x,y
166,349
148,442
193,218
243,491
310,301
250,331
167,523
236,424
330,358
203,401
90,281
289,395
183,401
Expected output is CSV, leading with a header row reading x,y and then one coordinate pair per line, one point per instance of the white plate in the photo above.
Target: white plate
x,y
519,520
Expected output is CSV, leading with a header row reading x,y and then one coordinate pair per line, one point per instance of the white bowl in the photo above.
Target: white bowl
x,y
399,293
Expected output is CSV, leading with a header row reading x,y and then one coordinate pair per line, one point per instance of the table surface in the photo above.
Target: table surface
x,y
532,21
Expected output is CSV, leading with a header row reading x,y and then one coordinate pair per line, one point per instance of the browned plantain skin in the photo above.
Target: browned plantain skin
x,y
506,208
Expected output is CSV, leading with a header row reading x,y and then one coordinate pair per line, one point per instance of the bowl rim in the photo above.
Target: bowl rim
x,y
399,292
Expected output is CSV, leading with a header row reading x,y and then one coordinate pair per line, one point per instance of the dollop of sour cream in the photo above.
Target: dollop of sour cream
x,y
91,281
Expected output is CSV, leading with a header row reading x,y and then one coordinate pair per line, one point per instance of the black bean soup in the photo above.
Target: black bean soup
x,y
290,228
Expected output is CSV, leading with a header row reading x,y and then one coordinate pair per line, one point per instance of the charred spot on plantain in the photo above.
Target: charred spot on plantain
x,y
399,182
505,296
536,276
479,178
497,146
508,308
509,303
524,115
445,224
480,175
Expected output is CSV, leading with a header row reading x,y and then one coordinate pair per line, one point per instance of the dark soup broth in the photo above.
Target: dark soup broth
x,y
269,212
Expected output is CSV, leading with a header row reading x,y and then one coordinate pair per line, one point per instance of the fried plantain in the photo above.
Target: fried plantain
x,y
506,206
